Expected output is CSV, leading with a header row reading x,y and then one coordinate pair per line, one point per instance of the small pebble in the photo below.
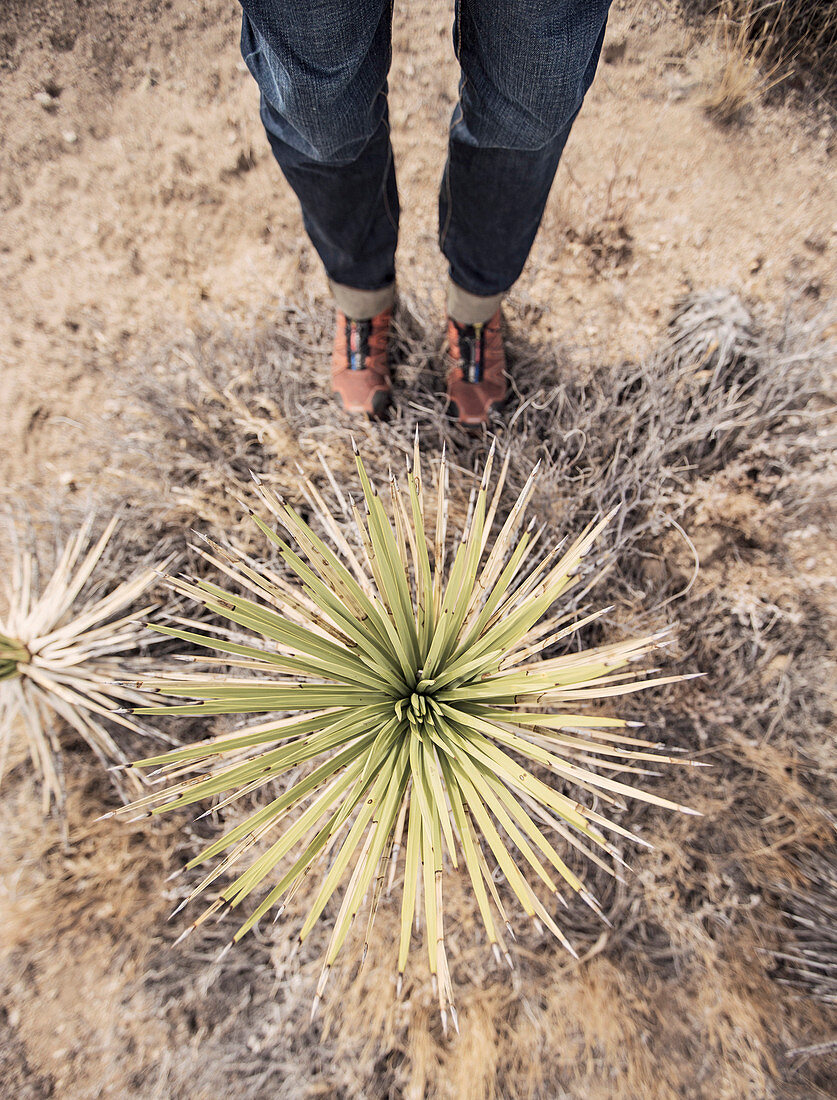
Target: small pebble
x,y
47,101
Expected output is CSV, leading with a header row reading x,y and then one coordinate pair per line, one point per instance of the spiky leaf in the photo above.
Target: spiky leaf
x,y
61,651
415,687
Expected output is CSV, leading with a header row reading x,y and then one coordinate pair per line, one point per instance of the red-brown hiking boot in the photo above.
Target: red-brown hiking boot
x,y
359,367
476,370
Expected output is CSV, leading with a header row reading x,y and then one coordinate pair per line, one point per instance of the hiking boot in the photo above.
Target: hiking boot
x,y
476,370
359,364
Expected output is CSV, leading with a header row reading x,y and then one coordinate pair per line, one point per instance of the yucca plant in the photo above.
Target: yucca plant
x,y
60,652
413,678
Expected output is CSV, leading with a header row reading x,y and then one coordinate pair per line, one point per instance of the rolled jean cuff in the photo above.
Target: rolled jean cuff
x,y
362,305
471,309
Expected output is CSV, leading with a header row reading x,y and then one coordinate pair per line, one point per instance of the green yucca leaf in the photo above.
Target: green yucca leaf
x,y
60,652
415,690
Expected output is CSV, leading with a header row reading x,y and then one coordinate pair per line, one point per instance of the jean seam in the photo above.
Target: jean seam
x,y
390,153
443,234
384,195
443,231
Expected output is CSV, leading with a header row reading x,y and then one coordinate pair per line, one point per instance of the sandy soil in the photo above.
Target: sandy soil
x,y
145,198
139,203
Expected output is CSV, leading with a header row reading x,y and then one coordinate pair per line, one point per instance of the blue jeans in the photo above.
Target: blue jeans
x,y
322,66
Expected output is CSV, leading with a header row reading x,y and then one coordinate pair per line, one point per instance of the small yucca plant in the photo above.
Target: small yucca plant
x,y
417,686
60,650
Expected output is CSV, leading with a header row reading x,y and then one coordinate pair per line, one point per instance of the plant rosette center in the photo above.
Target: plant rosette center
x,y
418,705
13,654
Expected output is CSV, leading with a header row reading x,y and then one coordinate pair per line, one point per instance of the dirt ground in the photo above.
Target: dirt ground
x,y
145,199
140,211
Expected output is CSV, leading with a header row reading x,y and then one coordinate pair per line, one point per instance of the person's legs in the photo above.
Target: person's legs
x,y
322,71
526,66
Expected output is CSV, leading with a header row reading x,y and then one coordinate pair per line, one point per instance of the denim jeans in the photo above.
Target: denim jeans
x,y
322,66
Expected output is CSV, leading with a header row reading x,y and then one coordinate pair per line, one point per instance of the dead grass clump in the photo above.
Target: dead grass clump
x,y
770,42
199,420
716,449
807,957
738,76
600,231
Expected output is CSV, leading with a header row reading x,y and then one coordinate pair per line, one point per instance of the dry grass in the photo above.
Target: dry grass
x,y
198,422
739,73
808,954
766,43
600,230
719,445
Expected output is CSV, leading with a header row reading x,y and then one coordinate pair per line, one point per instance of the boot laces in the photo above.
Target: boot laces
x,y
357,343
471,339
